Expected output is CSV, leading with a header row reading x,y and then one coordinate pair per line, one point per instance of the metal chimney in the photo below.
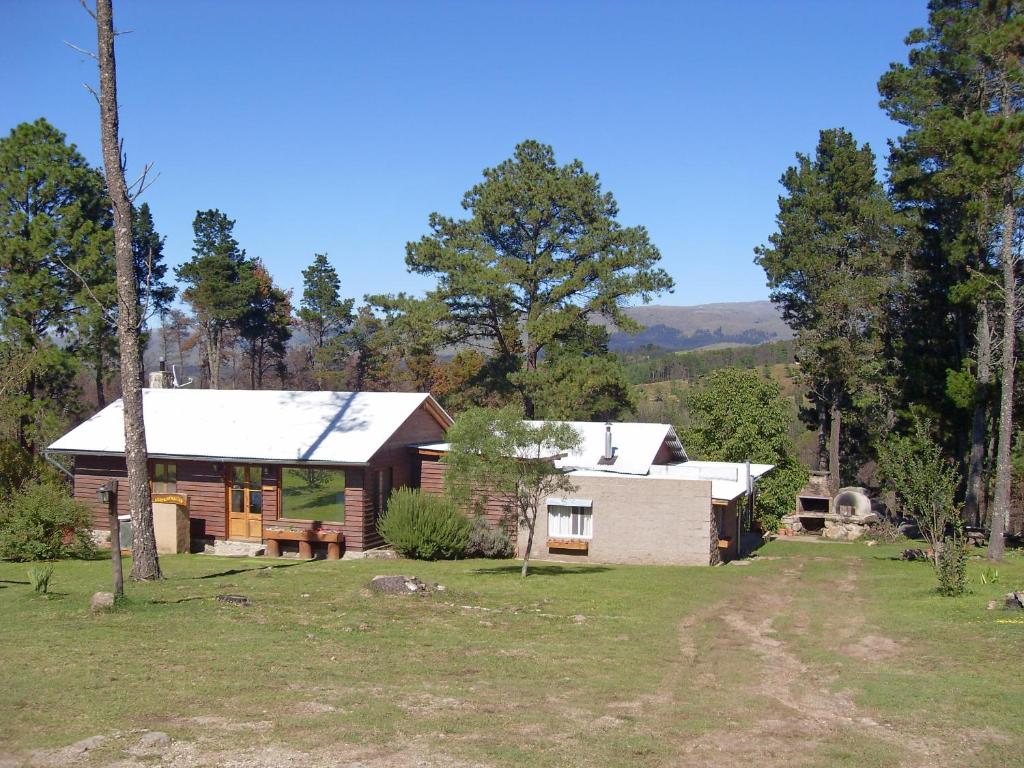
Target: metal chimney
x,y
608,454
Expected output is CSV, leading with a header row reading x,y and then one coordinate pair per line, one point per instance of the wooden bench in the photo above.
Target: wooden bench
x,y
306,539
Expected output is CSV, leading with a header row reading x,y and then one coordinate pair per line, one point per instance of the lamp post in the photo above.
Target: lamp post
x,y
107,494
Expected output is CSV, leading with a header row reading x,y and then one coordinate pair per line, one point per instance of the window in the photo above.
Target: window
x,y
313,494
165,478
565,522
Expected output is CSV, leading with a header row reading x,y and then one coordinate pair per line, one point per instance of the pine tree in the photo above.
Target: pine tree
x,y
541,253
961,96
265,327
831,268
54,230
324,317
219,284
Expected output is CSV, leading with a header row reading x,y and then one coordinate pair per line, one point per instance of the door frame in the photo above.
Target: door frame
x,y
229,471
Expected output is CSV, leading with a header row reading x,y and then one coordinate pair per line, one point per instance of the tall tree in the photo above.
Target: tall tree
x,y
324,317
831,267
219,283
155,292
54,223
145,563
265,327
541,253
961,96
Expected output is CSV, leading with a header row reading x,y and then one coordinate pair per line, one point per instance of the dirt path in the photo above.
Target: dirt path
x,y
806,713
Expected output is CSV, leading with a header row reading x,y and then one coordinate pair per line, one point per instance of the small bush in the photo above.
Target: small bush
x,y
952,567
486,540
42,522
424,527
39,577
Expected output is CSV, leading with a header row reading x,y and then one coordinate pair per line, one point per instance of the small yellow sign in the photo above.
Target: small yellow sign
x,y
171,498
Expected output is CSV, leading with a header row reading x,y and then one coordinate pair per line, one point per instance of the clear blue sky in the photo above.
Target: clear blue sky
x,y
339,126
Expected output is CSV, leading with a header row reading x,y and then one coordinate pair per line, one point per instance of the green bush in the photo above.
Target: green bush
x,y
486,540
42,522
952,568
424,527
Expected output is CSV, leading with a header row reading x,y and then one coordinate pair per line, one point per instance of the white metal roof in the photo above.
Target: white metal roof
x,y
267,425
635,446
728,478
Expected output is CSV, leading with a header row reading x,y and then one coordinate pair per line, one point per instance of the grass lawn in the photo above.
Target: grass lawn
x,y
810,655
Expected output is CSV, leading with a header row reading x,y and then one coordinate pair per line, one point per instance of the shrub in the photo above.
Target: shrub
x,y
952,568
925,482
424,527
486,540
42,522
39,577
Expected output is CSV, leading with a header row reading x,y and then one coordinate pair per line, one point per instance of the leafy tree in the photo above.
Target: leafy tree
x,y
961,96
496,455
831,268
925,482
219,283
541,254
736,415
324,317
265,327
54,222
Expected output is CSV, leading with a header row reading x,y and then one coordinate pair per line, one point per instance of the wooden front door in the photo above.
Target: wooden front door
x,y
245,502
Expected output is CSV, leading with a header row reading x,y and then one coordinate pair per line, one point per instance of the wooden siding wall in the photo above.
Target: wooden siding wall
x,y
197,479
432,471
90,473
205,486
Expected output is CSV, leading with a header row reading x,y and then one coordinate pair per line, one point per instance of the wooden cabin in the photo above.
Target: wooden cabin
x,y
266,467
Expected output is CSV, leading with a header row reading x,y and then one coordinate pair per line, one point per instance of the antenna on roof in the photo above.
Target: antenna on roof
x,y
174,376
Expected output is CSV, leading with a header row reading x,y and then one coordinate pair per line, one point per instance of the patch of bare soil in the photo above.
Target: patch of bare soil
x,y
122,750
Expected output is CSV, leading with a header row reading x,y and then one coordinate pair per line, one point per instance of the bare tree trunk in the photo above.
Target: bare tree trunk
x,y
101,391
531,525
145,563
1001,500
835,428
213,357
976,460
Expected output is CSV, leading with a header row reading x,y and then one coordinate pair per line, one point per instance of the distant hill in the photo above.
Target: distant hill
x,y
670,328
703,325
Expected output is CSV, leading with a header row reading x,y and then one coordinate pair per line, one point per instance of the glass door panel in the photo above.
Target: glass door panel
x,y
245,502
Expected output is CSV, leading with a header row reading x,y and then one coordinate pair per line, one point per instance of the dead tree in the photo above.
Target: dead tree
x,y
145,562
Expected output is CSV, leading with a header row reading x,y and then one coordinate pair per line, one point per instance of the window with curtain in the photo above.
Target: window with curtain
x,y
569,522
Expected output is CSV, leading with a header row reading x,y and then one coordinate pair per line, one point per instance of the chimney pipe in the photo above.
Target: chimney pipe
x,y
608,441
163,364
